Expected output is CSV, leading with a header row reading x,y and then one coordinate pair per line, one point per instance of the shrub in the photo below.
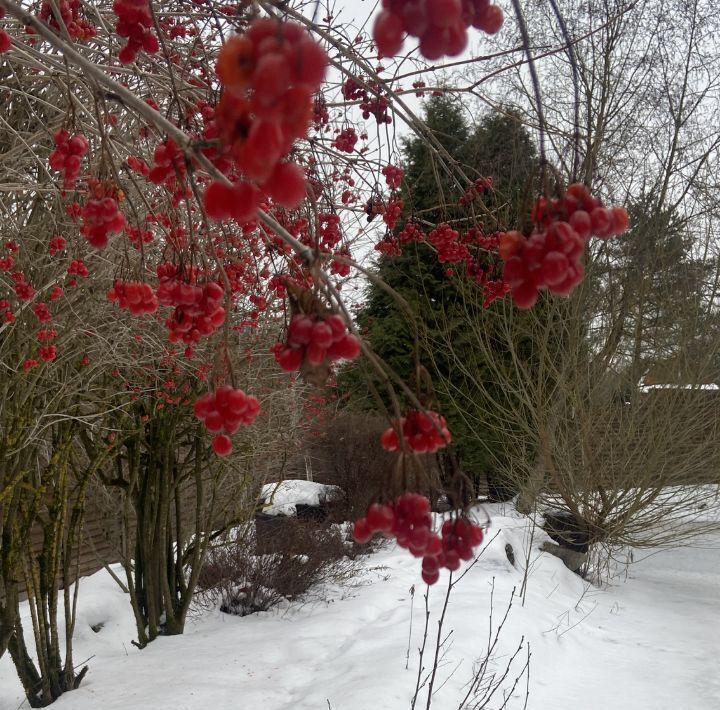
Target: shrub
x,y
239,581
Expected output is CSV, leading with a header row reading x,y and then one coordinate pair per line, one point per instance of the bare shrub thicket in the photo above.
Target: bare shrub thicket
x,y
310,554
347,452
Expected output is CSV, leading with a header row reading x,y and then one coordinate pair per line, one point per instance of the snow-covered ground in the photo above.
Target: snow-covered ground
x,y
648,642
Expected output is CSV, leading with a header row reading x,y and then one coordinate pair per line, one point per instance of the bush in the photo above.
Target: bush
x,y
239,581
349,455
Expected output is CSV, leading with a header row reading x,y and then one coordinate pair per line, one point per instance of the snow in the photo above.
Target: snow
x,y
283,497
707,387
647,641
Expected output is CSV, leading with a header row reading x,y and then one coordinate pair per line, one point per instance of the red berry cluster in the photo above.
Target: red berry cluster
x,y
551,257
169,162
197,311
5,311
78,28
101,217
439,24
135,296
238,201
269,75
345,140
392,212
479,187
316,340
77,268
370,98
23,289
224,410
42,312
47,353
57,243
45,336
422,432
67,156
138,165
586,214
393,176
329,234
447,242
409,521
138,236
134,22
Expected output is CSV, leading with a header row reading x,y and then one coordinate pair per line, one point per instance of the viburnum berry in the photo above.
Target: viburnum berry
x,y
551,258
67,156
388,33
223,411
47,353
422,432
77,268
134,23
135,296
5,41
168,163
101,218
269,75
409,521
239,201
440,25
77,27
57,243
198,310
23,289
42,312
393,176
222,444
286,185
316,340
345,140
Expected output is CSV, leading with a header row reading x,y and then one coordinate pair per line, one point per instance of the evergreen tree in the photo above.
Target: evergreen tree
x,y
657,284
411,337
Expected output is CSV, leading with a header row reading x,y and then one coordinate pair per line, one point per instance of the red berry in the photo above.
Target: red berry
x,y
620,220
5,42
602,222
286,185
389,440
580,221
554,268
430,577
525,295
489,20
361,531
443,13
222,445
289,359
380,518
388,34
322,335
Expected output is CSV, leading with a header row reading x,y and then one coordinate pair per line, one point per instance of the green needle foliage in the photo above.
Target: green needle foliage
x,y
433,302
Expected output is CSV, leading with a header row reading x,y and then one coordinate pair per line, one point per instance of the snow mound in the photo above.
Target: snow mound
x,y
283,498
